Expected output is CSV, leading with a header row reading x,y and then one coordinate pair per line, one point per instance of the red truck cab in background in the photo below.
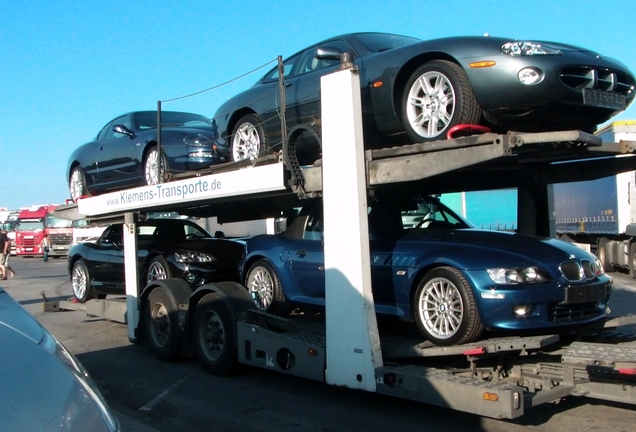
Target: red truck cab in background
x,y
36,221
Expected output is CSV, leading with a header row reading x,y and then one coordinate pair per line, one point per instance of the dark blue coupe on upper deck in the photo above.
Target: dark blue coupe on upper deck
x,y
126,152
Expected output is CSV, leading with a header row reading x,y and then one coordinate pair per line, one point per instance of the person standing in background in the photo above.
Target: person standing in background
x,y
46,247
4,241
7,254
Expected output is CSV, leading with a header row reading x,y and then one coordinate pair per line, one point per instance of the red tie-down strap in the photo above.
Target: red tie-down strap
x,y
472,129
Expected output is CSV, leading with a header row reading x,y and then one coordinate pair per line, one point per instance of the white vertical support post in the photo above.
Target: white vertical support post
x,y
132,274
353,343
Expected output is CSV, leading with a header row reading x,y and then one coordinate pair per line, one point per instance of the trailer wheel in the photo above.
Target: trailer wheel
x,y
161,325
77,184
249,140
437,97
154,167
265,287
445,309
81,282
213,337
603,255
632,260
158,269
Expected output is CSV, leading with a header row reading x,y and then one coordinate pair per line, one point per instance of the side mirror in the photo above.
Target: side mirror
x,y
328,53
110,241
121,129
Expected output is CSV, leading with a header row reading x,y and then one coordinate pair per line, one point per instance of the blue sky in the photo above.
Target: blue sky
x,y
68,67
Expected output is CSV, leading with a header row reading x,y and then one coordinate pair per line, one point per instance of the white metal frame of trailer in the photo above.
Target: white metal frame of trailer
x,y
348,351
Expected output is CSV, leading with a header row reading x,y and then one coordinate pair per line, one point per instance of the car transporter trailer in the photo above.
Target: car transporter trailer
x,y
497,377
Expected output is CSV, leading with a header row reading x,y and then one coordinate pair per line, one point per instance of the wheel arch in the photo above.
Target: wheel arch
x,y
417,279
421,274
146,262
234,118
72,166
234,295
150,144
71,263
250,261
178,291
407,70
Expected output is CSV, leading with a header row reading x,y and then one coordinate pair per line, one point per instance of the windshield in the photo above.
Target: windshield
x,y
9,226
429,212
148,119
29,225
53,222
378,42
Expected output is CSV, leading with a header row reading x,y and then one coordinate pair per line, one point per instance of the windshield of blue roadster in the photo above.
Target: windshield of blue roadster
x,y
429,213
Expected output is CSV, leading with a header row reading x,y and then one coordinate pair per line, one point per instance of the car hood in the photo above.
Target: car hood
x,y
14,317
209,245
493,243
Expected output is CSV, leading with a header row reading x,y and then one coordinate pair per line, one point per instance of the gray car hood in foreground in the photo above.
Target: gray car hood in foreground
x,y
44,388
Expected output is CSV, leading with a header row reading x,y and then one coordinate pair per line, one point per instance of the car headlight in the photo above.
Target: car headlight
x,y
193,256
197,140
517,275
598,267
525,48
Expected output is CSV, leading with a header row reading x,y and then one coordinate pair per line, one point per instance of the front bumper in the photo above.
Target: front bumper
x,y
550,304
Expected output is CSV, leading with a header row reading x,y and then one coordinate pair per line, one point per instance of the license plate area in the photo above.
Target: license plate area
x,y
603,99
584,294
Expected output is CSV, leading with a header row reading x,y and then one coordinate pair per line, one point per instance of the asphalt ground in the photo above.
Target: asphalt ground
x,y
150,395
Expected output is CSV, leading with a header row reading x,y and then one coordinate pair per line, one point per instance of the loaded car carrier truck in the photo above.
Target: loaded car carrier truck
x,y
500,378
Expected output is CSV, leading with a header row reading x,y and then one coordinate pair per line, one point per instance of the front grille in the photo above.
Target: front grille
x,y
29,242
559,313
61,239
582,77
588,269
574,271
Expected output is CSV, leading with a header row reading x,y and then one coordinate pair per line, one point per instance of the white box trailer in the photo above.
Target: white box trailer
x,y
601,213
498,378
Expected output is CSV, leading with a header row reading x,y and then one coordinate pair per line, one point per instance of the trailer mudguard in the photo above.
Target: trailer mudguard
x,y
235,295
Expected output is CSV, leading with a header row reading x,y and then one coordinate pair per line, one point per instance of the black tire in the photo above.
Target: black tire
x,y
249,140
632,260
427,115
158,269
263,284
455,320
161,327
77,184
602,253
213,336
155,167
81,282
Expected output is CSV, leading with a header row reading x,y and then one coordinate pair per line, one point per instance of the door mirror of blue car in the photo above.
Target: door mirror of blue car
x,y
121,129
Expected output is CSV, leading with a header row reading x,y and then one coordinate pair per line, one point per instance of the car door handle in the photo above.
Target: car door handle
x,y
101,147
302,253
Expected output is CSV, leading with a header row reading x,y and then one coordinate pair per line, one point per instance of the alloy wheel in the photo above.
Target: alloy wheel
x,y
431,104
